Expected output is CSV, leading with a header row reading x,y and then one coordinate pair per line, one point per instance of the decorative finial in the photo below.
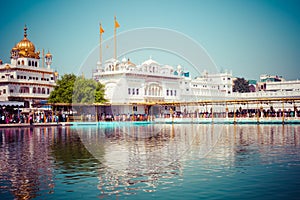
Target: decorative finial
x,y
25,31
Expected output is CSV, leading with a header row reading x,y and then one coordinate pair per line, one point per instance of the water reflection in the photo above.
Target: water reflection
x,y
241,146
135,158
118,159
25,167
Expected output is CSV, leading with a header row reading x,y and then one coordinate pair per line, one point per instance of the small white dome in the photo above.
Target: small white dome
x,y
149,62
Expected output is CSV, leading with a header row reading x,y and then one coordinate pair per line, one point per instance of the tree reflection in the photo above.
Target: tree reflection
x,y
125,160
70,153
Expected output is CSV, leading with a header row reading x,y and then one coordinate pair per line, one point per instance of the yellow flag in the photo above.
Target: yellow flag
x,y
101,29
117,25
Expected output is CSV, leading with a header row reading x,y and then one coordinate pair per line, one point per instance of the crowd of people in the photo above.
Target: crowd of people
x,y
40,117
55,117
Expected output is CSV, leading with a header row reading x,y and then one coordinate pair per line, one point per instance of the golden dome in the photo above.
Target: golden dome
x,y
25,45
130,63
14,48
26,48
48,55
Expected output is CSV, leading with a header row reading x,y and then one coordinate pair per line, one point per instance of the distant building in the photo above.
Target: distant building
x,y
212,84
293,85
277,83
264,79
23,80
252,85
270,78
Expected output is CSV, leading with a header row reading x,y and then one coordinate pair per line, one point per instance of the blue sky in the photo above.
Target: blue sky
x,y
248,37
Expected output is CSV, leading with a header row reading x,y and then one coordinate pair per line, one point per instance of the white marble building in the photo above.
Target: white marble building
x,y
127,83
23,80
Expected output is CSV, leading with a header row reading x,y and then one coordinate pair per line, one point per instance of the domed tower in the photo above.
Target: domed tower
x,y
48,60
56,75
14,54
24,54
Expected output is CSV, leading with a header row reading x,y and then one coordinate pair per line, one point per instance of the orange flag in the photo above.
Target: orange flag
x,y
117,25
101,29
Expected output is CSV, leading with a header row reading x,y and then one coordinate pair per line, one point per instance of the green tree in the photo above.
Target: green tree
x,y
72,89
241,85
88,91
63,91
99,93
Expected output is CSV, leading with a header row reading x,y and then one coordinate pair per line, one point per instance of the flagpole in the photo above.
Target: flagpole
x,y
43,60
115,39
100,46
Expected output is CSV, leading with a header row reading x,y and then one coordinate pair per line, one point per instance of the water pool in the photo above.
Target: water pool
x,y
147,161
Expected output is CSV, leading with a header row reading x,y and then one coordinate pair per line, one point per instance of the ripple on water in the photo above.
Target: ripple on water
x,y
183,161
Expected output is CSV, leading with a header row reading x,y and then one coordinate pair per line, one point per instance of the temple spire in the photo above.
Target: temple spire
x,y
25,31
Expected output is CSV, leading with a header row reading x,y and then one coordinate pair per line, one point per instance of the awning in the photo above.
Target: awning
x,y
11,103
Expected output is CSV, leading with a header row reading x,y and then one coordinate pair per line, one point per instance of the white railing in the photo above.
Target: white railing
x,y
135,73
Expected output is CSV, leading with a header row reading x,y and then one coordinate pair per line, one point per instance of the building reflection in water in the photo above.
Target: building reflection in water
x,y
127,159
26,166
240,146
143,157
135,158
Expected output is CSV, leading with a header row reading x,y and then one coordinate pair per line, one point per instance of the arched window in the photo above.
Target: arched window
x,y
39,90
18,62
24,90
29,63
22,62
43,90
34,90
35,63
